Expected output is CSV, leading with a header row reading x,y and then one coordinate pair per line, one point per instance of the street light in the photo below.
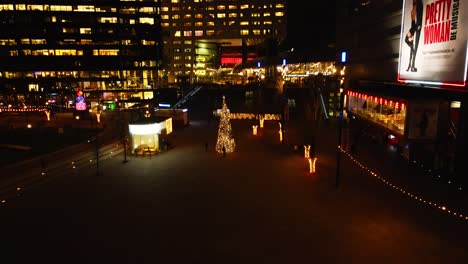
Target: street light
x,y
344,58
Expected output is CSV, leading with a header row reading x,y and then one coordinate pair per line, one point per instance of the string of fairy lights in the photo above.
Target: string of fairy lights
x,y
20,188
414,196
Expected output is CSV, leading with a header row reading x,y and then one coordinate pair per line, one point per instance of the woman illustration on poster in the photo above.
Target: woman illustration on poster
x,y
414,33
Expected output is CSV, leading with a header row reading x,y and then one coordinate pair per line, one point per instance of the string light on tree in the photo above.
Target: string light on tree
x,y
225,131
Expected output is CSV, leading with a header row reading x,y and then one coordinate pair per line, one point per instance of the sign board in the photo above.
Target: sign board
x,y
433,42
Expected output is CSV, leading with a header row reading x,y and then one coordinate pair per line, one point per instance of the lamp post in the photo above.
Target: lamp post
x,y
344,59
338,149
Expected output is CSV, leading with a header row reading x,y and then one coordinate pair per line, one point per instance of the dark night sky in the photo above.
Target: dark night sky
x,y
311,24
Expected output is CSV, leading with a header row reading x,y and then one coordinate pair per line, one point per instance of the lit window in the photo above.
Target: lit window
x,y
279,6
6,8
38,41
210,23
84,8
267,22
187,50
106,52
174,1
256,31
60,8
198,16
35,7
244,32
149,10
147,20
198,33
266,14
187,16
255,14
221,15
85,31
279,14
187,24
232,7
175,17
126,42
148,42
164,24
68,52
187,33
244,6
244,23
175,8
19,7
25,41
164,17
210,32
86,42
221,7
165,9
107,20
188,42
199,24
177,34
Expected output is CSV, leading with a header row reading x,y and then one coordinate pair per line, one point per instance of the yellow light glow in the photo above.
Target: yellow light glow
x,y
47,112
307,151
312,162
254,129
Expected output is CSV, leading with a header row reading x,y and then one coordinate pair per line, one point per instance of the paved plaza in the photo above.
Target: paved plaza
x,y
256,205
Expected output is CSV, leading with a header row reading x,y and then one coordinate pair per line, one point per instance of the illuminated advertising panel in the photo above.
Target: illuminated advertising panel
x,y
433,42
80,102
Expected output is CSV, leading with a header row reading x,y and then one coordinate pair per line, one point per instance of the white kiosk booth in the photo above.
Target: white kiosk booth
x,y
145,134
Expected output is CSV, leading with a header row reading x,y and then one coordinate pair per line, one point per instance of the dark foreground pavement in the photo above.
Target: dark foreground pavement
x,y
257,205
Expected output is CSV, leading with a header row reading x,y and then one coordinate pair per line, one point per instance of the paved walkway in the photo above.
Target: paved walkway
x,y
257,205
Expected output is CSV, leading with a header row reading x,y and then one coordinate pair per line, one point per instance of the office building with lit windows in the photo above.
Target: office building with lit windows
x,y
203,37
110,48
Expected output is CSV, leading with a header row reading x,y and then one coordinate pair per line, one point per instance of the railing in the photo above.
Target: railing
x,y
186,97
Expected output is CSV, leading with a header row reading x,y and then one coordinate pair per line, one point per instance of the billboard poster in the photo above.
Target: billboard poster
x,y
422,120
433,42
80,103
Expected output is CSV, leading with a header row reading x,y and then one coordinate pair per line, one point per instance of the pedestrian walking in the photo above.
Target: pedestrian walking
x,y
224,151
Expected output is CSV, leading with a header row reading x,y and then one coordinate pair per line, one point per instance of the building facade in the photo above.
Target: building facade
x,y
406,77
204,37
111,48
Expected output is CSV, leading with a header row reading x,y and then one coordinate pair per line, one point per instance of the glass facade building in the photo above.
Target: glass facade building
x,y
95,46
204,36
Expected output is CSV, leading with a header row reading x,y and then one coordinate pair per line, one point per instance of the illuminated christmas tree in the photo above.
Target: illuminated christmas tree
x,y
225,131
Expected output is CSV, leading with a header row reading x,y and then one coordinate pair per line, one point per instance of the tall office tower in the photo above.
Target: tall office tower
x,y
203,36
94,45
